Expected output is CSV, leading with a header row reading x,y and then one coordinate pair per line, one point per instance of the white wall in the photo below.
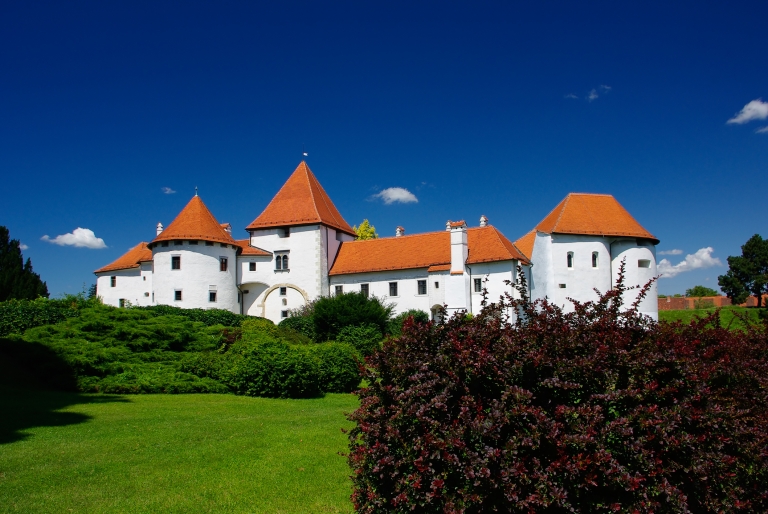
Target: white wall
x,y
199,271
635,275
407,287
496,273
130,285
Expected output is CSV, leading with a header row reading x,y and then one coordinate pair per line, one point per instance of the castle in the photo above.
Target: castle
x,y
301,248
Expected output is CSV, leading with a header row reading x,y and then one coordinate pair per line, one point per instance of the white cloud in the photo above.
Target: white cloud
x,y
80,237
701,259
754,110
671,252
168,190
571,95
605,88
592,95
396,195
22,246
763,130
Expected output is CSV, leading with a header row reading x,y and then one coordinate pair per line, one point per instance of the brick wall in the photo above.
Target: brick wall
x,y
674,304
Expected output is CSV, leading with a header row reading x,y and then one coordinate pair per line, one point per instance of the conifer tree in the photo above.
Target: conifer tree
x,y
17,279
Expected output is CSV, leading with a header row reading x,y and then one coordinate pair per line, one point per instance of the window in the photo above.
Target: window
x,y
285,232
283,314
422,286
112,281
145,278
208,243
223,264
562,286
437,284
177,295
178,243
251,266
281,262
164,243
339,290
643,263
193,242
594,259
211,296
176,262
569,260
393,289
146,294
223,245
364,289
285,262
478,285
283,291
121,302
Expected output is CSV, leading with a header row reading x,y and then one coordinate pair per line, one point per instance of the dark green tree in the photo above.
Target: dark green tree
x,y
699,291
333,313
747,273
17,280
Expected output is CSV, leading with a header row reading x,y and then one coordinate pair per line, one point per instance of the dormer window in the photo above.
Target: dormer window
x,y
594,259
569,260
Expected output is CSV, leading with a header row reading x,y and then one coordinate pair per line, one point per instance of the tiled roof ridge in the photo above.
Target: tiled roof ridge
x,y
307,173
323,197
562,210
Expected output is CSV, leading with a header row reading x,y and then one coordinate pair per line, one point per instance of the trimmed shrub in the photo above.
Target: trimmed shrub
x,y
208,317
365,339
596,410
302,324
395,325
332,313
338,365
16,316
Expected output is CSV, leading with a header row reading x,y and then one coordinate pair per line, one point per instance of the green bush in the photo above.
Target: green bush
x,y
16,316
332,313
302,324
395,325
365,339
208,317
271,368
338,365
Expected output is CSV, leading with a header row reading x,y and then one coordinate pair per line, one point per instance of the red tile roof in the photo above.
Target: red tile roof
x,y
525,243
301,201
431,250
591,214
131,259
247,249
195,222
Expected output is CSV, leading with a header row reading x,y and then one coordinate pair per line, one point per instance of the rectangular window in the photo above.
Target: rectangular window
x,y
437,284
211,296
251,266
364,289
393,289
112,281
177,295
176,262
643,263
283,291
209,243
478,285
193,242
339,290
562,286
283,314
121,302
422,286
284,232
177,243
164,243
222,264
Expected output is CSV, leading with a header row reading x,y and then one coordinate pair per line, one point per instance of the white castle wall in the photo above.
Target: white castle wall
x,y
130,285
199,271
408,296
496,274
634,251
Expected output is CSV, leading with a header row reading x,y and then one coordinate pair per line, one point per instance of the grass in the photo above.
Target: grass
x,y
68,452
729,316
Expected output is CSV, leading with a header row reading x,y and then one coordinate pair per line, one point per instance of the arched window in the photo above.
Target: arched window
x,y
570,259
278,262
594,259
285,262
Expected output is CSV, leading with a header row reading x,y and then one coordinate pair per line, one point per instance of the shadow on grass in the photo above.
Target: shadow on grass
x,y
35,384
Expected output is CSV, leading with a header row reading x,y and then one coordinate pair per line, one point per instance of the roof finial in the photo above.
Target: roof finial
x,y
303,151
195,190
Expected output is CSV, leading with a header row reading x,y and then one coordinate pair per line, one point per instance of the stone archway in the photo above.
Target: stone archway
x,y
263,304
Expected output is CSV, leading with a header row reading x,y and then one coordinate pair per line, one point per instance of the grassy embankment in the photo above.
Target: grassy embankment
x,y
729,316
69,452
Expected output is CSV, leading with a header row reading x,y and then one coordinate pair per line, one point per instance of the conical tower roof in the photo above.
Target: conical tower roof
x,y
301,201
195,221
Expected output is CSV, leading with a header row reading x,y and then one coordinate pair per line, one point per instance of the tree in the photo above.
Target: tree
x,y
699,291
333,313
17,280
747,273
365,231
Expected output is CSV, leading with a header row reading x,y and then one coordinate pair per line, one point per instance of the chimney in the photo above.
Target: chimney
x,y
159,228
399,231
448,226
483,221
459,246
227,228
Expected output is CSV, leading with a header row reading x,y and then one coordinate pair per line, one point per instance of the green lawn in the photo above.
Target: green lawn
x,y
729,316
67,452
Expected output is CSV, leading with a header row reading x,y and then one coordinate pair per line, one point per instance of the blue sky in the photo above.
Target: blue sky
x,y
495,108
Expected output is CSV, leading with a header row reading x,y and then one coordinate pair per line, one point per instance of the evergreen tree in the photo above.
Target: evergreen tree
x,y
747,273
365,231
17,280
